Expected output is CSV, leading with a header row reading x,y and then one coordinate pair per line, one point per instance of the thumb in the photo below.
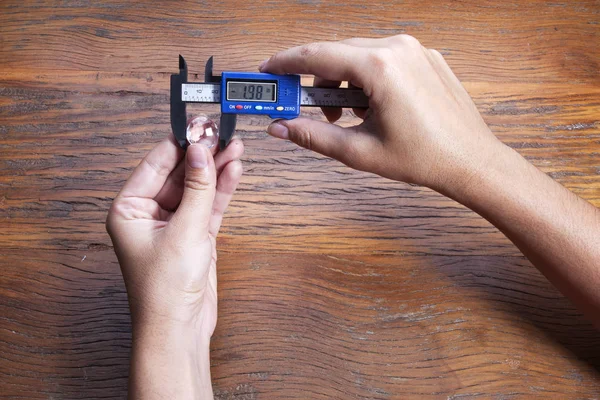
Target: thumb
x,y
328,139
192,217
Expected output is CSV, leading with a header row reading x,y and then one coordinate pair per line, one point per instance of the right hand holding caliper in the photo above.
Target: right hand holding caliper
x,y
421,127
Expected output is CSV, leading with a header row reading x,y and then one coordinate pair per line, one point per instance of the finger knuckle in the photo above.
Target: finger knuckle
x,y
408,41
381,61
237,168
311,50
436,53
353,41
303,137
117,208
274,59
351,154
198,182
160,169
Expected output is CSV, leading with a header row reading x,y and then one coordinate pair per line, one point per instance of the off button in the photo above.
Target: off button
x,y
280,108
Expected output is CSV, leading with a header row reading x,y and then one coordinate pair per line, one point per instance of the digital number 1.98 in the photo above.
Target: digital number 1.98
x,y
253,92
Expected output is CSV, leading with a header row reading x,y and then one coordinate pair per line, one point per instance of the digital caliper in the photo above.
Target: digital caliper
x,y
278,96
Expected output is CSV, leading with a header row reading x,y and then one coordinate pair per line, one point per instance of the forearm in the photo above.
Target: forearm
x,y
169,362
556,230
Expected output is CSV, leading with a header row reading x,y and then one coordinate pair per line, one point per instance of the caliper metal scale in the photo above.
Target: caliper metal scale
x,y
278,96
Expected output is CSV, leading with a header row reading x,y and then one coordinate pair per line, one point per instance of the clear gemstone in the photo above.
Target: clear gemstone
x,y
202,129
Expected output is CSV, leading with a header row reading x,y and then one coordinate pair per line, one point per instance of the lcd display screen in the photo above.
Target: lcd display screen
x,y
252,91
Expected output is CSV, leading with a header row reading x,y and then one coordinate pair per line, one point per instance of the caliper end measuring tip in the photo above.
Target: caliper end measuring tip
x,y
178,109
208,72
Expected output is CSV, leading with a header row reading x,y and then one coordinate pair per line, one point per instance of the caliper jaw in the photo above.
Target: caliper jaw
x,y
178,109
178,113
228,121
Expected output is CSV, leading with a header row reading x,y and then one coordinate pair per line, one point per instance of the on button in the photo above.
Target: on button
x,y
239,107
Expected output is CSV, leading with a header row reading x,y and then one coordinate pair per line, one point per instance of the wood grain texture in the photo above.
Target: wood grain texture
x,y
332,283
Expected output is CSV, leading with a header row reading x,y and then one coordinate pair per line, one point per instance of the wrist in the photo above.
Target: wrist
x,y
172,359
471,176
172,310
185,336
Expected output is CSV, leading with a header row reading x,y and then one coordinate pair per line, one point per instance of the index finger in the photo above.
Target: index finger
x,y
333,61
151,174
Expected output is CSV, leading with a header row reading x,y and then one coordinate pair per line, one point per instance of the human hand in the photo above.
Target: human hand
x,y
421,126
164,225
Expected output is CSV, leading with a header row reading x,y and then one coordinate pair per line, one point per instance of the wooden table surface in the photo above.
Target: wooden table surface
x,y
333,283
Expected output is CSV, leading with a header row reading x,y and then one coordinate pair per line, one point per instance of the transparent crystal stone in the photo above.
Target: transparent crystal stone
x,y
204,130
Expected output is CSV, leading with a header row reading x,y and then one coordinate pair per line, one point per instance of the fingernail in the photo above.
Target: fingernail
x,y
278,130
262,64
196,156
